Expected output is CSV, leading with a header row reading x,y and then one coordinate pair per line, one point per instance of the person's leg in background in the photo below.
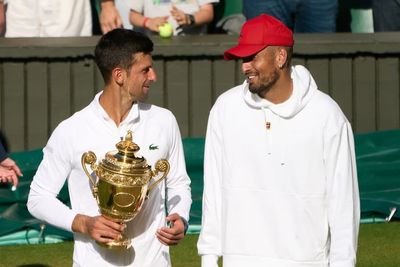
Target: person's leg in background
x,y
65,18
281,9
22,19
386,15
316,16
343,19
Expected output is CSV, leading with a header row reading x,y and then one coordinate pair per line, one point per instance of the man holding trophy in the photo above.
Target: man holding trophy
x,y
122,211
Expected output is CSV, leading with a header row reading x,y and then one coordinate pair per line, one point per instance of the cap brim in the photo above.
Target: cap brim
x,y
242,51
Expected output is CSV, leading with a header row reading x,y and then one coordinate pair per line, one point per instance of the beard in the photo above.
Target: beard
x,y
265,84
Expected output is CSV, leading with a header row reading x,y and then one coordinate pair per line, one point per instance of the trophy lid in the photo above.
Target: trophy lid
x,y
125,160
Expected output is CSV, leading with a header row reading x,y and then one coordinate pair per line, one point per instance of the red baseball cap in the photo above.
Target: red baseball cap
x,y
257,34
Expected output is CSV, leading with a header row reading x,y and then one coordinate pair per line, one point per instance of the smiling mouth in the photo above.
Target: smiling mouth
x,y
146,89
250,78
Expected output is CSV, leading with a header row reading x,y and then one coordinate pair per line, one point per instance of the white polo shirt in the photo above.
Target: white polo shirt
x,y
156,132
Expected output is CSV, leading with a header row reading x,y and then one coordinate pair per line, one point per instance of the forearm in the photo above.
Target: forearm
x,y
50,209
183,206
104,4
178,185
178,181
2,18
137,19
210,241
343,198
205,14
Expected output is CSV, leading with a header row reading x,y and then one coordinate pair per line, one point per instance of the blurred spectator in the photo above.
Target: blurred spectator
x,y
124,10
361,16
299,15
48,18
9,170
95,8
354,16
228,17
343,19
386,15
186,16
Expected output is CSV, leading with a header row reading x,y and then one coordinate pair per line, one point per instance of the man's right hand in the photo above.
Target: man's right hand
x,y
154,23
98,228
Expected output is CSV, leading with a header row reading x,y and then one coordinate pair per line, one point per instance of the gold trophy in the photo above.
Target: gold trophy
x,y
121,184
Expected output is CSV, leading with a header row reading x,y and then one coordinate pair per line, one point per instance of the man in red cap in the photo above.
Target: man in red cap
x,y
280,178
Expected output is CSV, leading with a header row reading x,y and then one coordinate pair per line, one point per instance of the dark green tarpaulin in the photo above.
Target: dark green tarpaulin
x,y
17,226
378,166
378,162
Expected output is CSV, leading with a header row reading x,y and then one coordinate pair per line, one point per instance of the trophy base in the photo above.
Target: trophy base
x,y
123,243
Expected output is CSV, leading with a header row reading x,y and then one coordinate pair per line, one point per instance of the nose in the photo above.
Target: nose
x,y
152,75
246,66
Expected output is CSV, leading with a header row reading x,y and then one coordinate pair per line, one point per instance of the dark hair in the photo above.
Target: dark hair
x,y
117,48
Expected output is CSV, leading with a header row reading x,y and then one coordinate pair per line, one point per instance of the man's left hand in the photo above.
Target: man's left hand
x,y
179,16
172,235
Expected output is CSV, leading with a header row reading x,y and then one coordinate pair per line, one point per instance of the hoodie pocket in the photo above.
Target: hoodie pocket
x,y
283,226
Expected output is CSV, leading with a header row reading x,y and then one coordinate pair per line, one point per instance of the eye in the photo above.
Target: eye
x,y
248,59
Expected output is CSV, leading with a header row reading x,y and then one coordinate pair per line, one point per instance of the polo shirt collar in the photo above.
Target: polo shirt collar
x,y
132,115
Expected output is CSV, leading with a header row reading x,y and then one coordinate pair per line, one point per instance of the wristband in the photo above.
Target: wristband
x,y
144,22
190,19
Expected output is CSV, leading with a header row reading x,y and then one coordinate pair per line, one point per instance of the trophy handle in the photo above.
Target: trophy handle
x,y
90,158
162,165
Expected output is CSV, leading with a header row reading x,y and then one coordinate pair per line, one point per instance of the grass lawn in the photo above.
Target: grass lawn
x,y
379,246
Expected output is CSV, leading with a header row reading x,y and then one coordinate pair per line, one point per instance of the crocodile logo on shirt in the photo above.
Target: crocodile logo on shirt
x,y
153,147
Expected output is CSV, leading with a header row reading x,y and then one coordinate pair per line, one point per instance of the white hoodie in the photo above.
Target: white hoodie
x,y
283,197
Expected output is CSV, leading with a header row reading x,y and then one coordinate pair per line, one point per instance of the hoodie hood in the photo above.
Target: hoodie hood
x,y
304,87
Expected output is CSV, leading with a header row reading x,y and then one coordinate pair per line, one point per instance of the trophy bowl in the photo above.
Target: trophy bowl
x,y
120,183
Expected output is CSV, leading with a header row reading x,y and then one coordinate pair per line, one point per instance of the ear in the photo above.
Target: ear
x,y
281,57
118,75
